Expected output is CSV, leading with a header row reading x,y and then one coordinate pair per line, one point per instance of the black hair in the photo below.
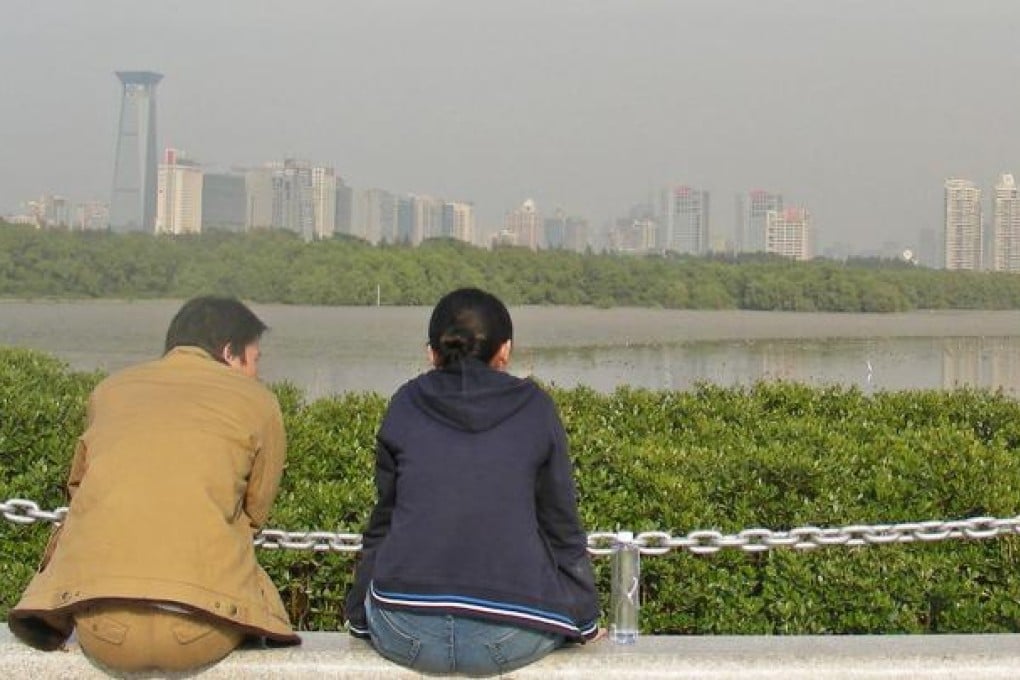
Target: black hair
x,y
468,323
212,323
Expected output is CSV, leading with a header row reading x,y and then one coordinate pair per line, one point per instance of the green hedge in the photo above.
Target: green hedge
x,y
776,455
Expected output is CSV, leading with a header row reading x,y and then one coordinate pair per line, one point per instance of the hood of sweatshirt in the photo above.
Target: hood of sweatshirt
x,y
470,396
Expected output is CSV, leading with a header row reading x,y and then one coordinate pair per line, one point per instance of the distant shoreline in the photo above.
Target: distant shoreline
x,y
583,326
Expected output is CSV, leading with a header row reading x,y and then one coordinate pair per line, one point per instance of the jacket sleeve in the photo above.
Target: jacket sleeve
x,y
79,466
556,500
79,461
267,469
378,527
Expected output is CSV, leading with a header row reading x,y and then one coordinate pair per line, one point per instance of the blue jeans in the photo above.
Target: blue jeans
x,y
440,643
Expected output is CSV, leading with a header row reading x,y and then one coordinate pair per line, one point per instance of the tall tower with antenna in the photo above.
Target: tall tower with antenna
x,y
133,204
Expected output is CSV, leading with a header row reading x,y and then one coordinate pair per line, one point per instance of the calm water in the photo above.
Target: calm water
x,y
335,349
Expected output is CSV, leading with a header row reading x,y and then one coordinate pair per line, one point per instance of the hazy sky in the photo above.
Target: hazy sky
x,y
857,109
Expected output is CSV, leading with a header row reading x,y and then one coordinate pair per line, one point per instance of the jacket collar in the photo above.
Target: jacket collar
x,y
189,351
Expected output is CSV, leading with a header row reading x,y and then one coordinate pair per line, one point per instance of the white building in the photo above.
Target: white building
x,y
323,202
292,198
521,226
1006,226
685,218
788,232
374,215
963,238
178,195
426,218
459,221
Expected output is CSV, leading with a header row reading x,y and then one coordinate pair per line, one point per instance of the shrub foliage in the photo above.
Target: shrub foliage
x,y
775,455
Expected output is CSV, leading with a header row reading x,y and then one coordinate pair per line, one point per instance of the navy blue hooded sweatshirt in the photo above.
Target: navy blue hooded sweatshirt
x,y
477,512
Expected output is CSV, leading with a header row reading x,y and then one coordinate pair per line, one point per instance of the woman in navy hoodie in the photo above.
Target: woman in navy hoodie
x,y
474,558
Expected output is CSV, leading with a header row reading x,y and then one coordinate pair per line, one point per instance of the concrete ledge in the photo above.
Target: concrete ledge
x,y
337,655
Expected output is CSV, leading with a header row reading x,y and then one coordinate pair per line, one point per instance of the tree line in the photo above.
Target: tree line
x,y
277,266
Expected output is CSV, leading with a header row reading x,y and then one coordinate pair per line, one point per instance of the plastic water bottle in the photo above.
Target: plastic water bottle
x,y
626,593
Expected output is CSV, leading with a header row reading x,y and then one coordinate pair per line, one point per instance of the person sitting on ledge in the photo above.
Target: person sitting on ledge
x,y
154,565
474,558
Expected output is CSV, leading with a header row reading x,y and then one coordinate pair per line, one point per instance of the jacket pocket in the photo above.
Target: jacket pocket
x,y
103,626
186,632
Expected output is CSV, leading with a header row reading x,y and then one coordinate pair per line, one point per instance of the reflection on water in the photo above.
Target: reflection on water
x,y
334,349
867,363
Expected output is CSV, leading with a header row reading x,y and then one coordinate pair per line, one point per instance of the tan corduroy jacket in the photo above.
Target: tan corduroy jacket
x,y
177,469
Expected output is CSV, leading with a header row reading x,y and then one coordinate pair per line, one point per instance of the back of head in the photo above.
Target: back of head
x,y
468,323
212,323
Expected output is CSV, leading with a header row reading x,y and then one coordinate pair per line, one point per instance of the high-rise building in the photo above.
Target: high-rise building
x,y
963,237
426,218
685,217
223,201
133,205
554,230
571,232
759,205
323,202
292,198
1006,226
375,215
178,195
258,187
405,220
521,226
344,208
740,223
576,235
789,233
459,221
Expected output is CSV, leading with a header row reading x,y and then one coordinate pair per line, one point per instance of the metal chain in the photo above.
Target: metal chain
x,y
702,542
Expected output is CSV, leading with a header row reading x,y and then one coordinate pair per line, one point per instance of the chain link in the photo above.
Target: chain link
x,y
701,542
21,511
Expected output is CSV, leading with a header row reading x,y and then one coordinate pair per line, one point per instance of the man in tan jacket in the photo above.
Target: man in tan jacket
x,y
178,467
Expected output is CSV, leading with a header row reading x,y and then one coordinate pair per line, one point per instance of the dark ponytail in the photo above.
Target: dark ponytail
x,y
468,323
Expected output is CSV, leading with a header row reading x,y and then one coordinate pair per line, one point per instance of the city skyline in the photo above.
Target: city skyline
x,y
850,109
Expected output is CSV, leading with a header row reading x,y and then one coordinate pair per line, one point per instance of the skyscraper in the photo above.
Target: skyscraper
x,y
323,202
426,219
576,236
258,187
1006,226
788,233
522,225
685,216
133,205
179,195
344,208
962,224
459,221
759,205
292,198
223,201
375,215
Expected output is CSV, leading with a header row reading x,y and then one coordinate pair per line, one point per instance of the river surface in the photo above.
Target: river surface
x,y
326,350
